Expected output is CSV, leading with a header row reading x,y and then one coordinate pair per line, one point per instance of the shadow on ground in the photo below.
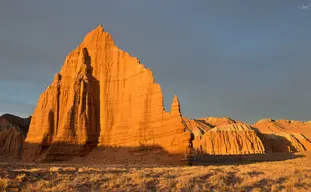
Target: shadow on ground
x,y
146,156
242,159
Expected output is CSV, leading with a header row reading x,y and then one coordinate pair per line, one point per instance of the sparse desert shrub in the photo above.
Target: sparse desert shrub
x,y
21,177
4,183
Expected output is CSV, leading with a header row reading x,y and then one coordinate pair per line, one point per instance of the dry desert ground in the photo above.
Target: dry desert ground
x,y
288,175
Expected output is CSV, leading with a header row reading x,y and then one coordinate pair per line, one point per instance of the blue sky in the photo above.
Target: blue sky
x,y
247,60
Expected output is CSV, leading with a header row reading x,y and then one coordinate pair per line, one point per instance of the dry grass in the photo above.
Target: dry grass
x,y
288,175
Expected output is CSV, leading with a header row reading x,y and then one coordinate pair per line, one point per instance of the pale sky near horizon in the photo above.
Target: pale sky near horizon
x,y
246,60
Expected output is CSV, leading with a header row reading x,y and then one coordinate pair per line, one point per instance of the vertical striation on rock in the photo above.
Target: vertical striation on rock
x,y
230,139
105,97
64,120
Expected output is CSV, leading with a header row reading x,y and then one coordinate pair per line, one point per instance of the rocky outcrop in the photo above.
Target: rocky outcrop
x,y
285,135
103,97
223,136
275,135
229,139
13,131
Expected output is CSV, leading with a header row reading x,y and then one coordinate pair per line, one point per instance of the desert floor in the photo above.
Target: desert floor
x,y
288,175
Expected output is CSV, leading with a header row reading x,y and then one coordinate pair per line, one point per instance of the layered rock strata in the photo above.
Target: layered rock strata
x,y
230,139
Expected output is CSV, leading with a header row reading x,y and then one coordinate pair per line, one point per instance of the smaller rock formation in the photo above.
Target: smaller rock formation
x,y
230,139
13,131
284,135
275,135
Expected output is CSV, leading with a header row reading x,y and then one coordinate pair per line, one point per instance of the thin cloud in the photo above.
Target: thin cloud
x,y
304,7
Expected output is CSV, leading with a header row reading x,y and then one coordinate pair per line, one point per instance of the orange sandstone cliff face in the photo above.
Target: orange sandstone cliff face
x,y
103,97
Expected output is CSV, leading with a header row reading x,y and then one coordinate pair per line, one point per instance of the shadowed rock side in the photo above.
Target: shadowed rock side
x,y
229,139
103,96
13,131
21,123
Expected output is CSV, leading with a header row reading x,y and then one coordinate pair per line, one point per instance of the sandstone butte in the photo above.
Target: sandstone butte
x,y
104,98
104,107
13,131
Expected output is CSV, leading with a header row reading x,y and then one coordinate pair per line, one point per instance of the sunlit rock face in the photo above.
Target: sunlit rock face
x,y
103,97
